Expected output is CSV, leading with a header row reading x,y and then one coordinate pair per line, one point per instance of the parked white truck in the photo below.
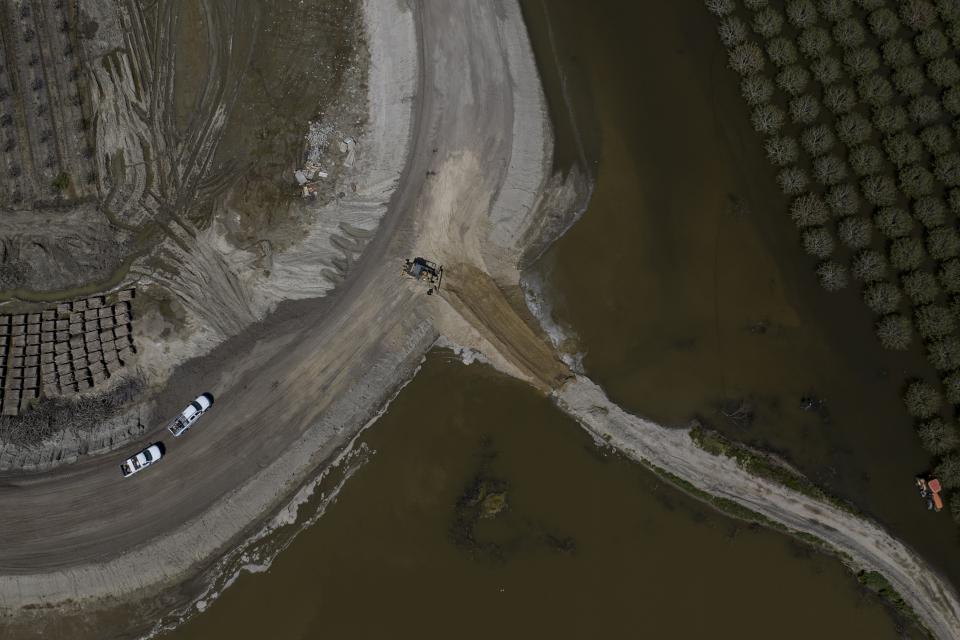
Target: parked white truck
x,y
190,415
142,460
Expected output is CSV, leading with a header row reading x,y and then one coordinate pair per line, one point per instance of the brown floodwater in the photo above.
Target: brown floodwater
x,y
587,545
699,301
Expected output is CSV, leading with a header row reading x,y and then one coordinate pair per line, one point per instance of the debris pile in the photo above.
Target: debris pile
x,y
318,139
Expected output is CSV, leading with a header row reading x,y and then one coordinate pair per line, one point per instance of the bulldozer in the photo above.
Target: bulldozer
x,y
423,270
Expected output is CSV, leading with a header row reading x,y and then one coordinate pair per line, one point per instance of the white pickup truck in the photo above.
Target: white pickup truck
x,y
142,460
190,415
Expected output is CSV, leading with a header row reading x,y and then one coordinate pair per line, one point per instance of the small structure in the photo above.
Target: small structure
x,y
308,179
424,270
930,491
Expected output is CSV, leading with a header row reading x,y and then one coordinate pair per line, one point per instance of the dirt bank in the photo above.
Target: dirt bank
x,y
867,545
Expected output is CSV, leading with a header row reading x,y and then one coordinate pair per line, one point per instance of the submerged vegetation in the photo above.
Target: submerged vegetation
x,y
859,105
762,465
875,582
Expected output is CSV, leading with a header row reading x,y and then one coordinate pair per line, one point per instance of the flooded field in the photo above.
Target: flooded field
x,y
699,301
565,541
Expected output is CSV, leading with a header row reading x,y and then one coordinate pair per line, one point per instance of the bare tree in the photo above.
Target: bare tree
x,y
880,190
922,399
861,62
889,118
931,44
826,70
883,23
893,222
829,170
949,472
947,168
768,22
720,7
906,254
915,181
732,31
933,321
792,180
842,199
782,151
833,276
875,90
756,89
951,384
929,211
818,242
866,160
920,286
808,210
949,275
943,72
898,53
767,119
801,13
903,149
943,243
840,99
909,80
848,33
937,436
949,10
746,59
951,100
923,109
804,109
918,14
855,232
835,10
814,41
937,139
793,79
817,140
895,332
882,297
869,265
781,52
954,200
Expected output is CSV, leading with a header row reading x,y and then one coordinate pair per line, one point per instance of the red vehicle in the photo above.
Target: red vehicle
x,y
930,489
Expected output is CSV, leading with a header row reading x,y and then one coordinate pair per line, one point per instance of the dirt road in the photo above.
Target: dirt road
x,y
865,544
287,399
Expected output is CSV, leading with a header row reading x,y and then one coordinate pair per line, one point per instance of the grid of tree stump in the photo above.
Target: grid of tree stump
x,y
46,150
63,350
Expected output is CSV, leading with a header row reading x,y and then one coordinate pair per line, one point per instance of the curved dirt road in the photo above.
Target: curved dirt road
x,y
288,401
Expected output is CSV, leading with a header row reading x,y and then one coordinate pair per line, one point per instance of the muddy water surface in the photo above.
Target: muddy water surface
x,y
584,544
699,301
